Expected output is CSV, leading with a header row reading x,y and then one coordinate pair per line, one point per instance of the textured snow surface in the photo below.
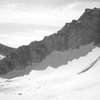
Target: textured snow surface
x,y
63,83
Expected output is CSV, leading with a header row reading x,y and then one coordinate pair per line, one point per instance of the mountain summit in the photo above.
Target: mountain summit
x,y
78,33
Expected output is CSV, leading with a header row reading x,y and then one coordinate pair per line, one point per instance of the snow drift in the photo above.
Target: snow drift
x,y
62,83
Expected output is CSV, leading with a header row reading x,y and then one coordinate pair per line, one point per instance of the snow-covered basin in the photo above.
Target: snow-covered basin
x,y
62,83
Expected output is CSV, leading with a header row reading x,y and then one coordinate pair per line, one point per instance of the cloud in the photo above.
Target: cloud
x,y
22,38
47,3
41,16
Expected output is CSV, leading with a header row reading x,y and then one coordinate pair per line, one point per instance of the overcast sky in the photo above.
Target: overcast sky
x,y
23,21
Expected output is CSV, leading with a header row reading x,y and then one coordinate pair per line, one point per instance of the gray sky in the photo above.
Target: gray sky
x,y
50,3
23,21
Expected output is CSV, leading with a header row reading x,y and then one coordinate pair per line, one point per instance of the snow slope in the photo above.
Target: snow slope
x,y
62,83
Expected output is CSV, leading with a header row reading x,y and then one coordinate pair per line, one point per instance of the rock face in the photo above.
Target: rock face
x,y
78,33
5,50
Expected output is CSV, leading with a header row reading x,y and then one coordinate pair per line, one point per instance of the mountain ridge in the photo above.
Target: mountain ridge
x,y
78,33
5,50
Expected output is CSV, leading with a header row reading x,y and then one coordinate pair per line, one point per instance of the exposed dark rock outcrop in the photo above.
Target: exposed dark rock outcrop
x,y
5,50
78,33
90,66
55,60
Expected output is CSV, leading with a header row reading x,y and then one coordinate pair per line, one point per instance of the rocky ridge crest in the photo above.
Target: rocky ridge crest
x,y
78,33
